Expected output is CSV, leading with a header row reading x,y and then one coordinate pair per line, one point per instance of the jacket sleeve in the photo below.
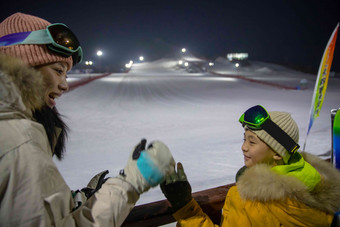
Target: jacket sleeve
x,y
233,213
35,194
192,215
109,206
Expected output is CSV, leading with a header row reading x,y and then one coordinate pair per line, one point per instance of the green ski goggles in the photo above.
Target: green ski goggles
x,y
57,37
254,117
257,118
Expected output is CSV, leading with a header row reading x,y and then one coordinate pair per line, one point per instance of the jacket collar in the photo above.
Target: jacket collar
x,y
300,169
21,88
261,183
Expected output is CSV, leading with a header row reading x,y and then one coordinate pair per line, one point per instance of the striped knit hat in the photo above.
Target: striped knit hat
x,y
31,54
287,124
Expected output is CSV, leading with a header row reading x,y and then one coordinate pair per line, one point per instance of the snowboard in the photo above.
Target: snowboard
x,y
336,140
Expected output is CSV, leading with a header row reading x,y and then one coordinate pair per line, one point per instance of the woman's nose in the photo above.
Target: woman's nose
x,y
63,85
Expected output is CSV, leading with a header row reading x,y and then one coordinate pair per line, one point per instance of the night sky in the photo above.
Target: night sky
x,y
289,32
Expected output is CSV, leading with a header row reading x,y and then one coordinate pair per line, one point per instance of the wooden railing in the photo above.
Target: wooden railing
x,y
157,213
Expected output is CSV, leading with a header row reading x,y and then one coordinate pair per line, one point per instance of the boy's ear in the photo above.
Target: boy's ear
x,y
277,157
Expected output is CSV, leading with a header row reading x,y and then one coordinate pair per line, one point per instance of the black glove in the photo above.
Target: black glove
x,y
81,196
177,189
95,184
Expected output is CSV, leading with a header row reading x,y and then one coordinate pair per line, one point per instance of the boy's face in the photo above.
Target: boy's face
x,y
256,151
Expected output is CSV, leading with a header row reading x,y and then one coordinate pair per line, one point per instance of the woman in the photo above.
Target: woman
x,y
279,187
34,59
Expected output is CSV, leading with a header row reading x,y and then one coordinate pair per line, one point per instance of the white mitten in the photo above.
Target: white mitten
x,y
147,167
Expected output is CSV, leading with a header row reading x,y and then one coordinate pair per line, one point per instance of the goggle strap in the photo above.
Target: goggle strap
x,y
38,37
281,136
13,39
34,37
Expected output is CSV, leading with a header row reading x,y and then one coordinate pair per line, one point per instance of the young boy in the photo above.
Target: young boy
x,y
279,186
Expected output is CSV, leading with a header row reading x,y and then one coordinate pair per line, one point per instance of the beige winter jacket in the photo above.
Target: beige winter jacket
x,y
32,191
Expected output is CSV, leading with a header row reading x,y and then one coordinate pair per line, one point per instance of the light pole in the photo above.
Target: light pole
x,y
99,55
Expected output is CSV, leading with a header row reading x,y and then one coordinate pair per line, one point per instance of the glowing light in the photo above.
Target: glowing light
x,y
180,62
219,79
237,56
184,50
99,53
129,65
237,65
141,58
186,64
211,64
88,63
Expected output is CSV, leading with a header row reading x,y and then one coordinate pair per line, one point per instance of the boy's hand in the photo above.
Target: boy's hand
x,y
176,188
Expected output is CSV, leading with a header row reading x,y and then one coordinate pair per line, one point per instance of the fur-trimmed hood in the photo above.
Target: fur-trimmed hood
x,y
260,183
21,89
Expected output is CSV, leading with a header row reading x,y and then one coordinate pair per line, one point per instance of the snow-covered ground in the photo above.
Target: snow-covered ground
x,y
196,115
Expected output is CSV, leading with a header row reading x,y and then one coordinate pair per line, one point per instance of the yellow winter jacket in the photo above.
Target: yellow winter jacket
x,y
263,197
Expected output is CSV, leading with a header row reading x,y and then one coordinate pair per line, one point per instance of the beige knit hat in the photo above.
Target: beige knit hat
x,y
287,124
31,54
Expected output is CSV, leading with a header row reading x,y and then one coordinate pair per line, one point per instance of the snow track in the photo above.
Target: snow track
x,y
196,115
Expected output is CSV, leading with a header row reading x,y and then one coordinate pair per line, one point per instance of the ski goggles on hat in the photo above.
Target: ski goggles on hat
x,y
257,118
57,37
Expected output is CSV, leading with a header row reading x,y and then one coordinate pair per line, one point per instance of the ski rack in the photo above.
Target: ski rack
x,y
158,213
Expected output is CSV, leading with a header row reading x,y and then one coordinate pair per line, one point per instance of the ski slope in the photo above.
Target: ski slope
x,y
195,114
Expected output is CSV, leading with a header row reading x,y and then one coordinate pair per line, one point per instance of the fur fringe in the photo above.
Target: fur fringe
x,y
28,80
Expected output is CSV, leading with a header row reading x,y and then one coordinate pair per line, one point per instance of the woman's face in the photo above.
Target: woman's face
x,y
256,151
54,75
